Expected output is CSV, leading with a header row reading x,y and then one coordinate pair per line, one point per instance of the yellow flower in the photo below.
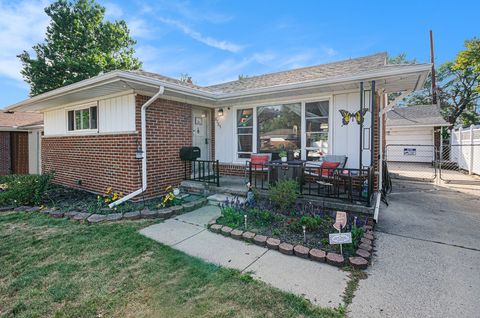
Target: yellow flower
x,y
168,188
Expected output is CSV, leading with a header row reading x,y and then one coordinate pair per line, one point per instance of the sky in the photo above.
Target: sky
x,y
216,41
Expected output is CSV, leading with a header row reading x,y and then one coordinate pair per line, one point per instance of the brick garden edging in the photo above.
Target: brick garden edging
x,y
360,260
92,218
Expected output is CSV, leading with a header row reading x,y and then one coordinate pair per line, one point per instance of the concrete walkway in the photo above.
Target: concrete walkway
x,y
320,283
427,256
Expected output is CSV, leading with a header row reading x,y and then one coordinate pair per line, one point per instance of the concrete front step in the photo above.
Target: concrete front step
x,y
218,198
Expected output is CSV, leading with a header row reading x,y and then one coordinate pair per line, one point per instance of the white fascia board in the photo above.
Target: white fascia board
x,y
214,97
416,126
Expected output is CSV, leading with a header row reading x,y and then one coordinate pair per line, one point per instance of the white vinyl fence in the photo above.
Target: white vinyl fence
x,y
465,149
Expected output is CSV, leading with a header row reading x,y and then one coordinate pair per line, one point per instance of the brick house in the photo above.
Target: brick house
x,y
20,135
95,129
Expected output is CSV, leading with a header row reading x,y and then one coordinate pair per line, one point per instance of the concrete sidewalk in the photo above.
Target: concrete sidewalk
x,y
322,284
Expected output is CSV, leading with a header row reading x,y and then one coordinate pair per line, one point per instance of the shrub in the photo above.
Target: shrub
x,y
284,194
25,189
231,217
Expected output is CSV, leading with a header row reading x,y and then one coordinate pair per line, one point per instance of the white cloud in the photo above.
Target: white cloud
x,y
22,24
219,44
112,11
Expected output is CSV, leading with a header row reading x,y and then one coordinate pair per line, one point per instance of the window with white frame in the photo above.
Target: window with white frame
x,y
244,132
316,120
83,119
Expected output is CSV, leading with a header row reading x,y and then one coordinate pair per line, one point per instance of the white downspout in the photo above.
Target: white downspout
x,y
143,116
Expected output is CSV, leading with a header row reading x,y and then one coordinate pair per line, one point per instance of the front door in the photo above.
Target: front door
x,y
200,132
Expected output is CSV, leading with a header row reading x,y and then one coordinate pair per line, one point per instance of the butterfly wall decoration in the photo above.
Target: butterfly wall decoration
x,y
347,116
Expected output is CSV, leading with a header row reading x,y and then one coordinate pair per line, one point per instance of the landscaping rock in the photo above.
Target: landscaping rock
x,y
6,208
216,228
335,259
366,241
260,240
237,234
97,218
189,206
273,243
176,209
22,208
48,211
81,216
70,215
57,214
365,247
199,203
248,236
212,222
148,214
368,228
371,222
135,215
301,251
166,213
113,217
369,237
317,255
33,209
286,248
363,253
358,262
226,230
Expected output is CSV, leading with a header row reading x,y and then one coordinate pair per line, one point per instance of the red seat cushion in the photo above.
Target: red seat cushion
x,y
326,169
258,160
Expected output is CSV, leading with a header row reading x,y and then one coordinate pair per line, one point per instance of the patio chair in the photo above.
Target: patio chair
x,y
323,172
257,162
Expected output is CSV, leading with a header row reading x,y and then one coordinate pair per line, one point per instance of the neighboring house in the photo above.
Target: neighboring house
x,y
94,129
413,133
20,143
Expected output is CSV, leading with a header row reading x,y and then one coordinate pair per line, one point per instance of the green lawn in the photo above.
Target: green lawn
x,y
51,267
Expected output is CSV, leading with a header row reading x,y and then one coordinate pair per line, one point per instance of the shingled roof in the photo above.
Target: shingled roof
x,y
423,115
318,72
17,119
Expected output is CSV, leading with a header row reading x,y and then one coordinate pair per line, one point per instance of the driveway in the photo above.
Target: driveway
x,y
427,256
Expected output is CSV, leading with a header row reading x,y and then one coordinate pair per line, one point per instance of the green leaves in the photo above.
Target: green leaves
x,y
78,45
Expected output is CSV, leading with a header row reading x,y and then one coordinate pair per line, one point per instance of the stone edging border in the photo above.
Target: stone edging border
x,y
361,260
92,218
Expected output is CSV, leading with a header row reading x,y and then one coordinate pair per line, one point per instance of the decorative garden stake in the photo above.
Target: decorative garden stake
x,y
304,234
245,217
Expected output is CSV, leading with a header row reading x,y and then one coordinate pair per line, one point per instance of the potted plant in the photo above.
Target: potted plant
x,y
283,155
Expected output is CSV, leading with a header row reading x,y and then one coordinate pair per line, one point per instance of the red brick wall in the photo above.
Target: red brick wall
x,y
5,153
99,161
232,170
19,146
169,127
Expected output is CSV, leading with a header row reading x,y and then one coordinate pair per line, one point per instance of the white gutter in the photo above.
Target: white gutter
x,y
143,115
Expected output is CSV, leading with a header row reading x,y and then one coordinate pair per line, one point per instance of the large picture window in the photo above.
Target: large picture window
x,y
244,132
82,119
279,128
316,120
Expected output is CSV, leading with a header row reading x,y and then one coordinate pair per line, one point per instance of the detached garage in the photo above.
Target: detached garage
x,y
413,133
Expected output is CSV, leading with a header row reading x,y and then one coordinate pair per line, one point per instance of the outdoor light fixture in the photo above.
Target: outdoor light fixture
x,y
220,112
139,153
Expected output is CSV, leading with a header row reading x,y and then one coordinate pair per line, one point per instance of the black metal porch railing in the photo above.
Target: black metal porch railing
x,y
351,185
207,171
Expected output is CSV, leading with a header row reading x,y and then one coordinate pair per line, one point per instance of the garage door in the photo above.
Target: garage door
x,y
409,144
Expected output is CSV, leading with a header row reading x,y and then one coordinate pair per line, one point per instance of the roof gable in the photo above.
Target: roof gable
x,y
422,115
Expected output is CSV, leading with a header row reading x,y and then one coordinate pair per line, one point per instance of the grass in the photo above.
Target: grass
x,y
352,285
57,268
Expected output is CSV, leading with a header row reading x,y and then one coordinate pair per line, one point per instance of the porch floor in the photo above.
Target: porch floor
x,y
236,186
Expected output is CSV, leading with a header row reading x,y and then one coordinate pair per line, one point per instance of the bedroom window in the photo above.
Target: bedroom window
x,y
244,132
316,119
82,119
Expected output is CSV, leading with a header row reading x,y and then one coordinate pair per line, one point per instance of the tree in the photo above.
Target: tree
x,y
469,59
78,44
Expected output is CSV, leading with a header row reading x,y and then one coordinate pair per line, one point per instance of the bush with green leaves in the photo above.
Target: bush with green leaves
x,y
284,194
24,189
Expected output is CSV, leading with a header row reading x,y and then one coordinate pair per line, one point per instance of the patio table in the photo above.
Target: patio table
x,y
285,170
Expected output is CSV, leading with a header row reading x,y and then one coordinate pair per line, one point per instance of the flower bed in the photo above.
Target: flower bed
x,y
283,222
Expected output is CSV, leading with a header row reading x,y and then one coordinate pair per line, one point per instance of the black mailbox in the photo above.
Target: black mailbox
x,y
189,153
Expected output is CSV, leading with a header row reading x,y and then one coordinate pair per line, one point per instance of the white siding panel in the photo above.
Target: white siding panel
x,y
34,151
225,143
55,122
117,114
